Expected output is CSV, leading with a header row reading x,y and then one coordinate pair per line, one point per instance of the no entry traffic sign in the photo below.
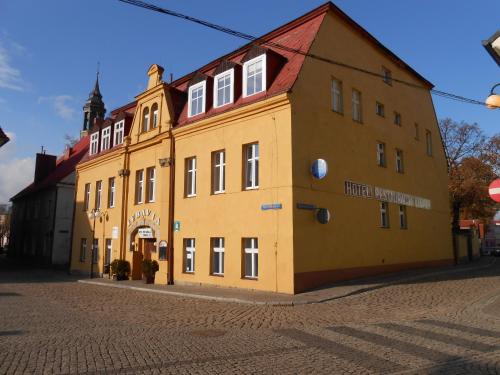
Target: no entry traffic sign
x,y
494,190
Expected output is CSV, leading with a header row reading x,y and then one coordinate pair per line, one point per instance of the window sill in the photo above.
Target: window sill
x,y
217,274
250,278
384,227
338,112
219,192
188,272
190,196
251,188
358,121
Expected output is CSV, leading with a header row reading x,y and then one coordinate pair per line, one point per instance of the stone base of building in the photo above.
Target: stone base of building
x,y
308,280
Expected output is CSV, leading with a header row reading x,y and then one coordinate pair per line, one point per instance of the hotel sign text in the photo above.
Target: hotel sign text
x,y
146,214
355,189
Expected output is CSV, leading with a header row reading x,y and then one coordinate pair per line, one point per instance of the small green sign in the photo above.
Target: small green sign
x,y
177,226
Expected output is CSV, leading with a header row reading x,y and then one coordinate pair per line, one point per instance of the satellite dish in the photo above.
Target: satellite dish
x,y
319,168
323,215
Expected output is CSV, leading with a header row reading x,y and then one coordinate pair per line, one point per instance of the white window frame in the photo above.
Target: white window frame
x,y
262,58
203,86
399,161
428,142
337,96
151,177
251,246
218,244
357,108
381,155
111,192
398,120
229,73
190,176
83,249
384,215
252,165
95,251
189,253
154,122
106,138
86,198
139,186
387,76
94,143
119,133
403,220
219,165
145,126
98,194
379,109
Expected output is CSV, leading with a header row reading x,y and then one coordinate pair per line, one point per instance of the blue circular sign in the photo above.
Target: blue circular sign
x,y
319,169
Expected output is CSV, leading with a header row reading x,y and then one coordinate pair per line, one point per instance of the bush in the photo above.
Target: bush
x,y
120,268
150,267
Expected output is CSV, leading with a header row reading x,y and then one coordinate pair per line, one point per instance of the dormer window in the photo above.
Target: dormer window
x,y
154,112
145,119
223,88
94,143
197,94
254,76
106,138
119,132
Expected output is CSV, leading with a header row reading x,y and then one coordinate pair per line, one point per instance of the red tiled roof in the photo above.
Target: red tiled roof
x,y
65,165
298,34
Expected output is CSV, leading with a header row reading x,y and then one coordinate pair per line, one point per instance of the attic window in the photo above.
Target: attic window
x,y
119,131
223,88
94,143
196,104
106,138
254,76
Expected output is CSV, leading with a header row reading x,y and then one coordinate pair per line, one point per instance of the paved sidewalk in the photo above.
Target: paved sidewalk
x,y
322,294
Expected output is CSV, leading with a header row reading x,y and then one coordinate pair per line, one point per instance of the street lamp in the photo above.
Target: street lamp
x,y
492,45
93,214
493,101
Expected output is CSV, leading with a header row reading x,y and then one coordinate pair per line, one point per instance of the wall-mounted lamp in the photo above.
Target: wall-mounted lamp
x,y
123,172
165,162
492,45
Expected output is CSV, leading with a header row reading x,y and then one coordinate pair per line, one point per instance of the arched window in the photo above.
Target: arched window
x,y
145,120
154,112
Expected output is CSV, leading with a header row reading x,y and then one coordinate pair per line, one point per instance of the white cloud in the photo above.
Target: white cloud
x,y
10,77
61,105
15,173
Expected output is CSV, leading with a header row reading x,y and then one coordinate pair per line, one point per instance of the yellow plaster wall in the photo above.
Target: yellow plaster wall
x,y
353,238
237,213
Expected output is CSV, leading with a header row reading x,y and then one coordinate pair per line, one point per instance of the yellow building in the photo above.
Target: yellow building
x,y
215,174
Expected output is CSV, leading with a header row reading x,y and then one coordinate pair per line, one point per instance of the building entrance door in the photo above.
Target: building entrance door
x,y
145,246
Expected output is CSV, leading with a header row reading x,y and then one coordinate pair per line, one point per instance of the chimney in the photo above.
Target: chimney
x,y
45,164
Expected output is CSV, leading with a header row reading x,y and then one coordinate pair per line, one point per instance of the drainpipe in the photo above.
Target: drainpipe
x,y
170,237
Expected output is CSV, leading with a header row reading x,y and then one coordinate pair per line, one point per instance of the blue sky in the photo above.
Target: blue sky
x,y
49,51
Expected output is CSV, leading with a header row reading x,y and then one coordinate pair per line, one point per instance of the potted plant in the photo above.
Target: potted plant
x,y
120,269
149,268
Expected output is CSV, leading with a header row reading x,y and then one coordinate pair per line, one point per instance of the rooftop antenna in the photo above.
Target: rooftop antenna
x,y
43,150
171,77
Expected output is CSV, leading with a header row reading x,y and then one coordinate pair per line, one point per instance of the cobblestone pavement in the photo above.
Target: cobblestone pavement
x,y
446,324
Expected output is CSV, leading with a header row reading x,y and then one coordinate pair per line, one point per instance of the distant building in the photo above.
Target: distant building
x,y
214,174
42,213
4,225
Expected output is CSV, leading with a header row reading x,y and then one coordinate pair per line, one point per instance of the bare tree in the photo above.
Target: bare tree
x,y
70,141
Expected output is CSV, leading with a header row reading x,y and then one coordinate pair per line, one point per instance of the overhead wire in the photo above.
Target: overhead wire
x,y
251,38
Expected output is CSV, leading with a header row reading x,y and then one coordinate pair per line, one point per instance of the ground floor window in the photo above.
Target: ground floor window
x,y
251,257
384,215
403,223
108,251
218,256
95,250
189,252
83,249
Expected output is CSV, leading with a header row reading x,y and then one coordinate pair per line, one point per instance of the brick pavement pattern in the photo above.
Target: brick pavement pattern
x,y
443,324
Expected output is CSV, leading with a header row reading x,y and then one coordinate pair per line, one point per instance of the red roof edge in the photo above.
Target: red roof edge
x,y
130,105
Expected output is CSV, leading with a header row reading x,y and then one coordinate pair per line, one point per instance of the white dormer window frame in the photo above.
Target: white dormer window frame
x,y
217,87
94,143
119,133
262,59
106,138
194,89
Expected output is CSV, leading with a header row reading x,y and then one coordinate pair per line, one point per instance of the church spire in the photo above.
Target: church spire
x,y
93,108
